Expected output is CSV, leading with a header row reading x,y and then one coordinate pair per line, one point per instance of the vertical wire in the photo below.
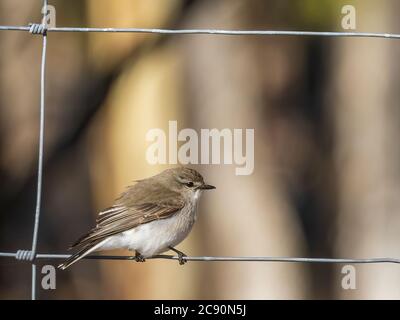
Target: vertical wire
x,y
40,156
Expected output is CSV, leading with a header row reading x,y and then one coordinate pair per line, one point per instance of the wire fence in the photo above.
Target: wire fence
x,y
25,254
214,32
43,29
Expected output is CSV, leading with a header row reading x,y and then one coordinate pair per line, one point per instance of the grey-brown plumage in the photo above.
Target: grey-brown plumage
x,y
152,216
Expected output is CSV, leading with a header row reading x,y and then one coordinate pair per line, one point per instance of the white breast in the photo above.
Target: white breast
x,y
156,236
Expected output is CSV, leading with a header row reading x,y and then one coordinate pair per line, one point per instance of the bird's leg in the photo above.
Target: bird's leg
x,y
139,257
181,255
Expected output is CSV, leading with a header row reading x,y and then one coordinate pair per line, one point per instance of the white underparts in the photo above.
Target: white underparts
x,y
156,236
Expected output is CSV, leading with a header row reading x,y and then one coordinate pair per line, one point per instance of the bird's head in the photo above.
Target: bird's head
x,y
185,180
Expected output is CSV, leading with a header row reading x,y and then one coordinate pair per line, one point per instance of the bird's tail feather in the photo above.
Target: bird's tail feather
x,y
81,254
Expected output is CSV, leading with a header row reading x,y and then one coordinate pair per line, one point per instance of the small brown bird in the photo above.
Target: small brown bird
x,y
151,217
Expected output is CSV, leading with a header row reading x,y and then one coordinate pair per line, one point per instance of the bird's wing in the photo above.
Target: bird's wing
x,y
120,218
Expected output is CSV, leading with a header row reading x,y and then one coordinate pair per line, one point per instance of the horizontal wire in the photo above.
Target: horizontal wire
x,y
224,259
216,32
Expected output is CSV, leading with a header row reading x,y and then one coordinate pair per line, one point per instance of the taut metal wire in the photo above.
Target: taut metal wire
x,y
21,255
216,32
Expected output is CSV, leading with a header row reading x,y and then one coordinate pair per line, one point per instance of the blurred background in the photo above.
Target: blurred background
x,y
325,111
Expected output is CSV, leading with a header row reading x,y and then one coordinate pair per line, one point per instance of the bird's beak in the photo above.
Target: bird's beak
x,y
206,187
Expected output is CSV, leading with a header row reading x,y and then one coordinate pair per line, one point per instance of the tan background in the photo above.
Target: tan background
x,y
326,119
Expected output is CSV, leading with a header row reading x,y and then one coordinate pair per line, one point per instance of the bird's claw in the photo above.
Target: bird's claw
x,y
182,258
139,258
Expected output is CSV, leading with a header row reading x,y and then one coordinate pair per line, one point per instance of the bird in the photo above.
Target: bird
x,y
150,217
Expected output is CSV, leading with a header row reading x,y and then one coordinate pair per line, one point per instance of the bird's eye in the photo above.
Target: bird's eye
x,y
189,184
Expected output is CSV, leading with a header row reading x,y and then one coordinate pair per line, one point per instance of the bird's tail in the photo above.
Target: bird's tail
x,y
81,254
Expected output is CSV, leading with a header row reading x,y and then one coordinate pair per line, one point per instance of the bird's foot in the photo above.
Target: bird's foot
x,y
139,258
181,256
